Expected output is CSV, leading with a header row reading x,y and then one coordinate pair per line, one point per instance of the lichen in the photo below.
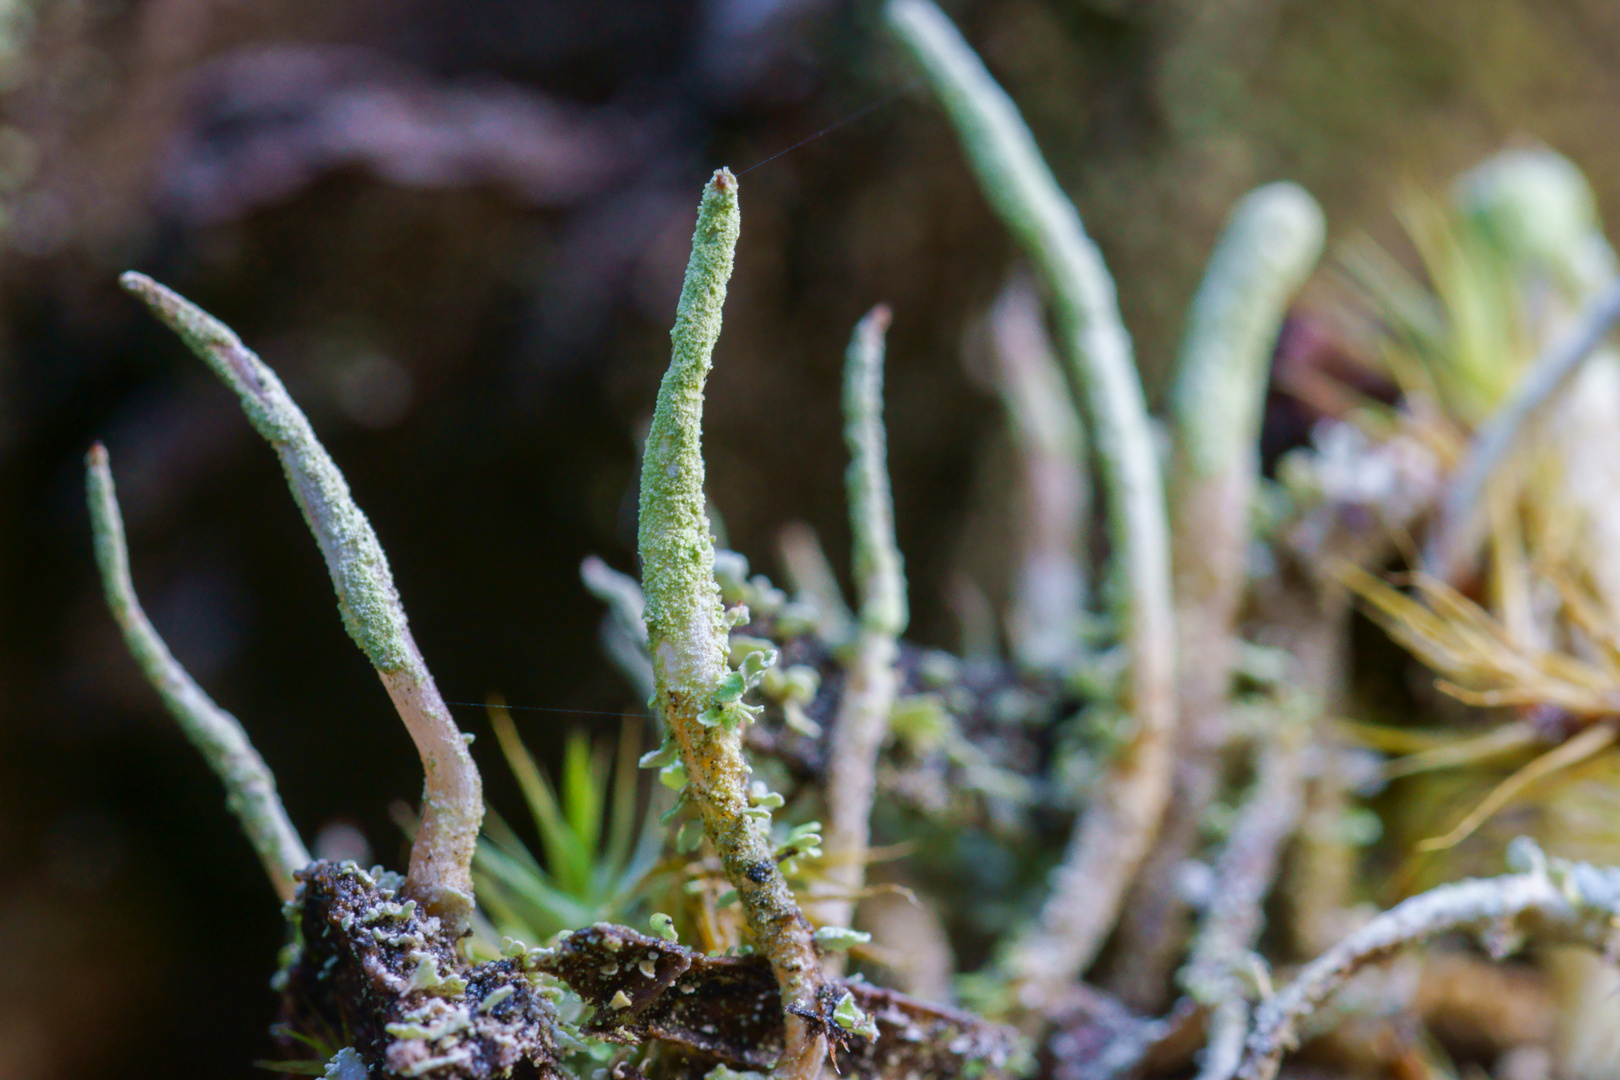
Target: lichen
x,y
367,598
410,1002
698,695
452,798
249,785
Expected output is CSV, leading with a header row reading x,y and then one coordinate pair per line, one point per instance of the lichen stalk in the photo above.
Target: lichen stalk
x,y
1553,901
871,678
1271,243
440,876
880,577
1272,240
1049,591
250,787
687,633
1123,815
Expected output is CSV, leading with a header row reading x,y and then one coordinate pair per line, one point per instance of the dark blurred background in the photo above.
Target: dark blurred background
x,y
457,231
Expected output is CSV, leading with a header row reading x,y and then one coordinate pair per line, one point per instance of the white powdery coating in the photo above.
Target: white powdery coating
x,y
1562,903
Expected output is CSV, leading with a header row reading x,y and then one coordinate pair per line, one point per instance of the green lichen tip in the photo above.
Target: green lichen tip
x,y
1540,211
1272,241
683,610
264,400
202,332
367,600
98,479
714,245
879,567
106,523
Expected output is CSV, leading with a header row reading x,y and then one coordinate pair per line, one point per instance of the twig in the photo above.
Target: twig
x,y
1273,239
1214,974
1121,819
687,632
1305,610
1095,1037
1445,552
1049,594
250,788
871,679
1555,901
440,876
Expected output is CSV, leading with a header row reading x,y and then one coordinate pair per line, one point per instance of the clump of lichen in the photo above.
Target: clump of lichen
x,y
382,976
1181,748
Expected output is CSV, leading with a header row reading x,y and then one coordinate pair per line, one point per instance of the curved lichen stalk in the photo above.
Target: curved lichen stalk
x,y
1272,241
696,690
250,788
1123,814
440,876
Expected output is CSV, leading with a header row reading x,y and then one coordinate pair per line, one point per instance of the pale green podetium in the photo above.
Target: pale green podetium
x,y
871,680
1272,241
687,632
880,574
1123,812
249,785
452,798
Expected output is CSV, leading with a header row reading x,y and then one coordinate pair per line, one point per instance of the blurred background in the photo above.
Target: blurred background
x,y
457,231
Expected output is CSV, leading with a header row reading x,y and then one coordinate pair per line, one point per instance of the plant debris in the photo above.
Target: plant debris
x,y
389,977
725,1010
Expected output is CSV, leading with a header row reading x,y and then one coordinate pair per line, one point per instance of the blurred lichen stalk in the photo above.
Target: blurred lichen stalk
x,y
1186,724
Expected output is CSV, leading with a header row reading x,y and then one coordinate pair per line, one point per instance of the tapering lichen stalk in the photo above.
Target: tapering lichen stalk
x,y
1272,241
1553,901
1216,973
250,788
871,680
1049,591
1123,814
440,876
687,632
